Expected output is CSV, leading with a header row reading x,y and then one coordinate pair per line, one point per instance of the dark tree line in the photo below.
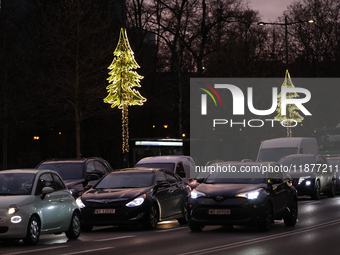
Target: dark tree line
x,y
55,53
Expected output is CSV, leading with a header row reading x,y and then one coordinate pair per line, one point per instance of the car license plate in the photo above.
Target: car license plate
x,y
219,211
104,211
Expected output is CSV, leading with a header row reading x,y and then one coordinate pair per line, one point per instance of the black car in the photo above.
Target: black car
x,y
135,196
310,174
243,193
334,162
78,173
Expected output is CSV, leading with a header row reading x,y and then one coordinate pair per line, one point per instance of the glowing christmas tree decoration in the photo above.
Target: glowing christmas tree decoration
x,y
121,82
292,114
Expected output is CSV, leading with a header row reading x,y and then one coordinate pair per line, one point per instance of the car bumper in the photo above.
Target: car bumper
x,y
242,211
10,230
122,216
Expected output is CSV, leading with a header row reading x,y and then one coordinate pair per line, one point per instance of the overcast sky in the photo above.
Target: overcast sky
x,y
270,10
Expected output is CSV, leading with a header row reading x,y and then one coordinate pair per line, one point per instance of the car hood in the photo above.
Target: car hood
x,y
15,200
227,190
115,194
302,174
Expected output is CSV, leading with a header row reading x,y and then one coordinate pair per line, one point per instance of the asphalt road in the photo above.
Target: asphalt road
x,y
317,232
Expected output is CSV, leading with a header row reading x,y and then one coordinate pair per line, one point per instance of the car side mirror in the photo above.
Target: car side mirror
x,y
92,177
45,191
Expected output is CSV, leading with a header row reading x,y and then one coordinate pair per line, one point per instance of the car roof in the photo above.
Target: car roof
x,y
300,156
26,170
139,170
283,142
163,159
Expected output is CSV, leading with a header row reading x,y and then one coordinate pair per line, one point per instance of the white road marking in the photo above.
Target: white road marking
x,y
37,250
113,238
85,251
261,239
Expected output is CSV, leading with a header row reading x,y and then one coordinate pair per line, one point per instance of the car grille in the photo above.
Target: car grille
x,y
3,230
237,214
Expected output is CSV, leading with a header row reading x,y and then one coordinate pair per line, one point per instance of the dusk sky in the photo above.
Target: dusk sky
x,y
270,10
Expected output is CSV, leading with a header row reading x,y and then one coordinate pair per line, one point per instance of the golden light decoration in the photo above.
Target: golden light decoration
x,y
292,114
121,82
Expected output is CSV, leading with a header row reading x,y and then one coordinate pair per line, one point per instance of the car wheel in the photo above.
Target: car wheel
x,y
86,227
184,220
195,227
291,219
331,192
317,191
33,231
266,221
74,230
152,218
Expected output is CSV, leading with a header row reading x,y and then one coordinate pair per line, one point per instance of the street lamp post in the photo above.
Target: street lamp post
x,y
291,116
286,24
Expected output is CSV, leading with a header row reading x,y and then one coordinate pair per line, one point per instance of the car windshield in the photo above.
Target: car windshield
x,y
67,170
297,163
126,180
236,177
170,166
275,154
16,183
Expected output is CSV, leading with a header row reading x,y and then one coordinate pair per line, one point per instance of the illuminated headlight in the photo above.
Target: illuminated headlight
x,y
137,201
196,194
16,219
301,179
250,195
12,209
308,183
80,203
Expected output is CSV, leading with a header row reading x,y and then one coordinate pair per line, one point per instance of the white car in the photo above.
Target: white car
x,y
181,165
34,202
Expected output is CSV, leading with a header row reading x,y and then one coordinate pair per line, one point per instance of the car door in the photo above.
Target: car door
x,y
163,194
66,201
176,191
51,204
326,175
279,191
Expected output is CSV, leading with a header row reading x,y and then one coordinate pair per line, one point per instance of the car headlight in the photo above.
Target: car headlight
x,y
137,201
301,179
12,209
80,202
196,194
251,194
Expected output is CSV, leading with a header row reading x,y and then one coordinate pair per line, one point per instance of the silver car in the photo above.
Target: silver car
x,y
34,202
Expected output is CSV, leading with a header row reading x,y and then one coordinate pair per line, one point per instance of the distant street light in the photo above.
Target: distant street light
x,y
286,24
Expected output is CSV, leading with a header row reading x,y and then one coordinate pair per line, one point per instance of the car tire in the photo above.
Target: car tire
x,y
74,230
317,191
184,220
33,231
86,227
332,191
291,219
195,227
267,218
152,218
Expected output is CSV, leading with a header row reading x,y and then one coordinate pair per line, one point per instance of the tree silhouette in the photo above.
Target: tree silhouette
x,y
121,81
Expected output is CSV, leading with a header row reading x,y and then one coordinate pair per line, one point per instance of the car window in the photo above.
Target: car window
x,y
90,167
180,170
16,184
170,177
58,182
100,168
160,176
45,180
